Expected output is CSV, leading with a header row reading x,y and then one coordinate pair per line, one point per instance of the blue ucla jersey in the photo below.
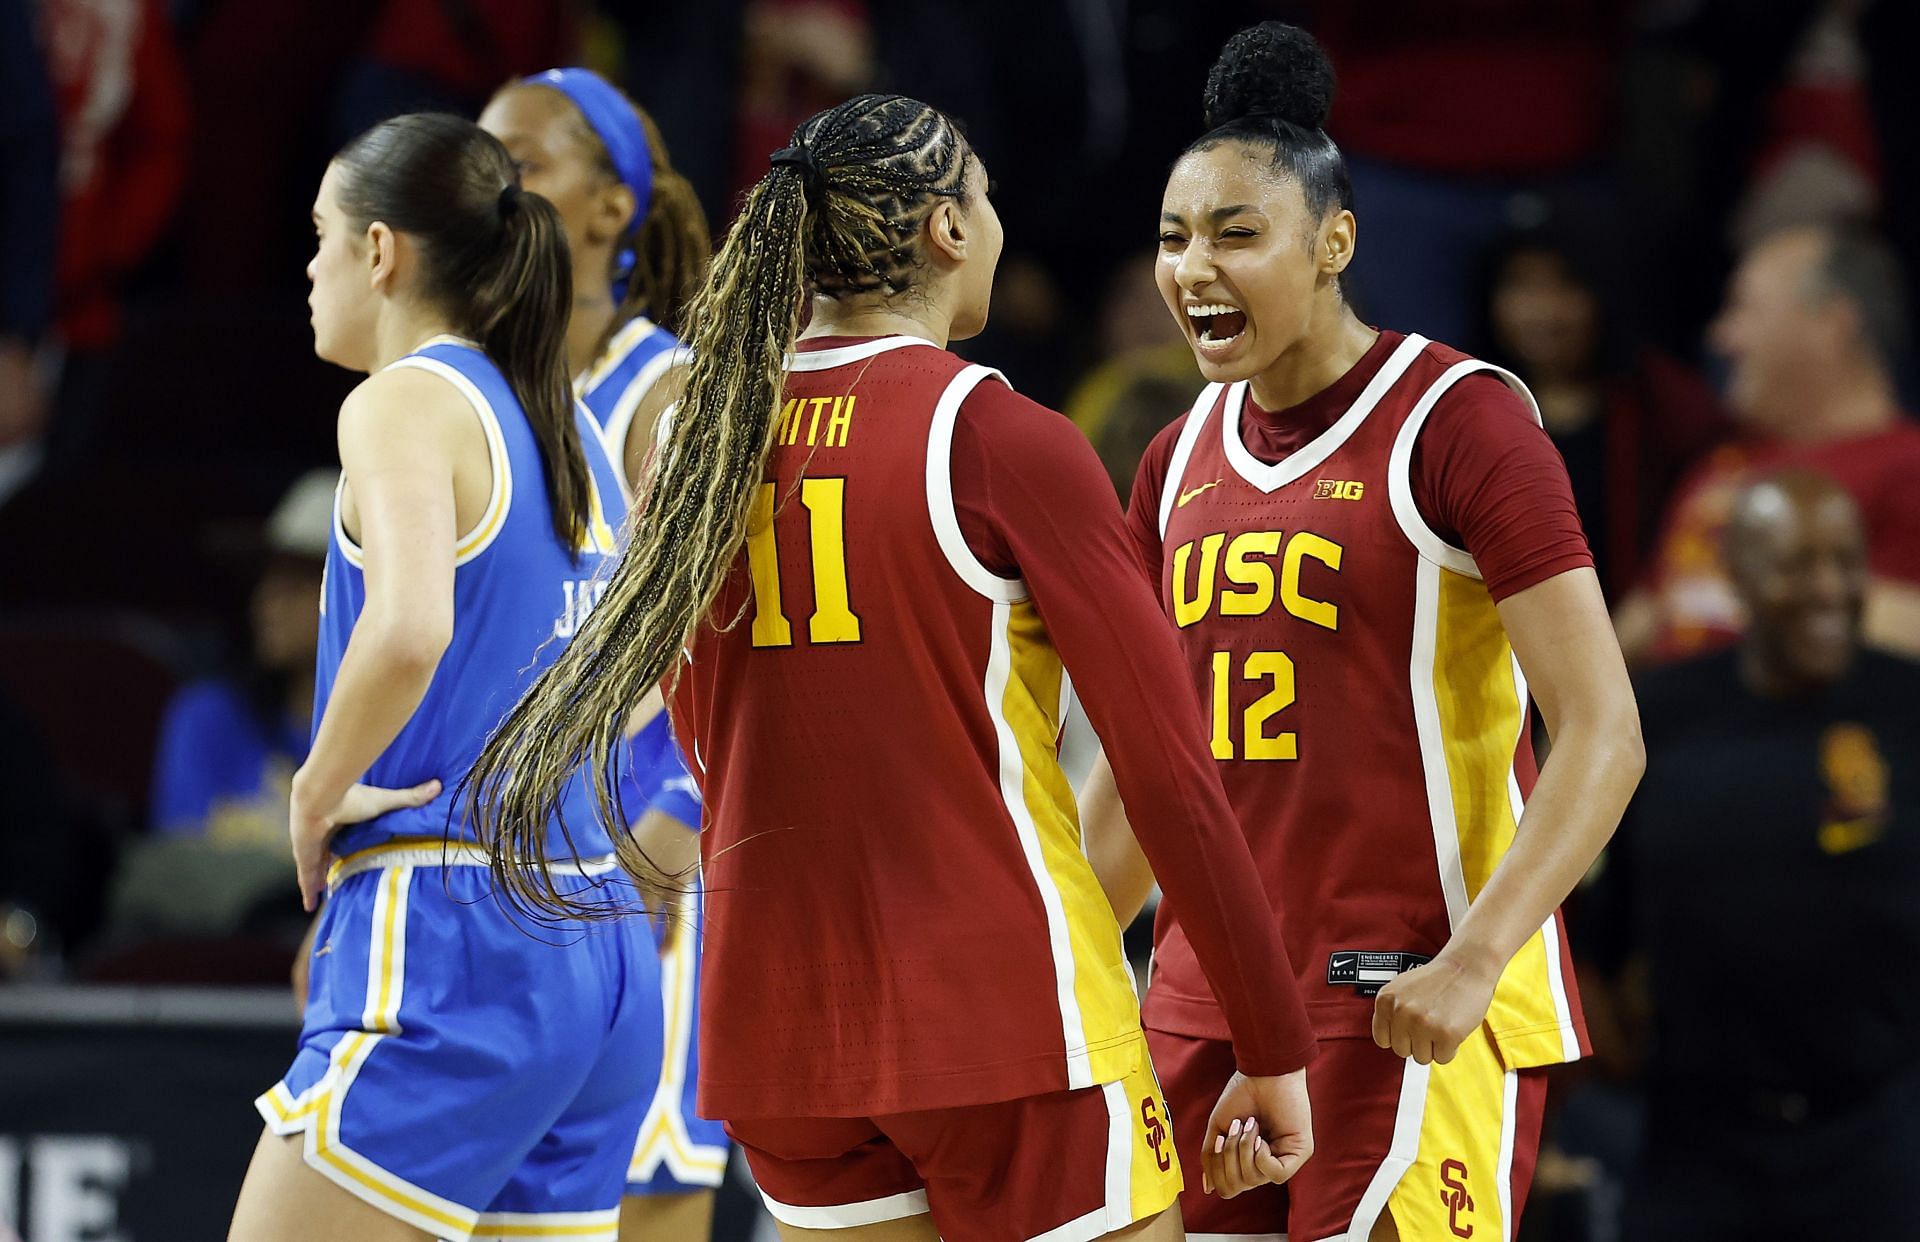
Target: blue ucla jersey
x,y
518,595
611,389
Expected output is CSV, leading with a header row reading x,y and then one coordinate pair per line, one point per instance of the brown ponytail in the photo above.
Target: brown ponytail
x,y
495,261
839,216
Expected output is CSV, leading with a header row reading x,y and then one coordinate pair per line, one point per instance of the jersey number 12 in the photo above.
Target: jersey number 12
x,y
833,619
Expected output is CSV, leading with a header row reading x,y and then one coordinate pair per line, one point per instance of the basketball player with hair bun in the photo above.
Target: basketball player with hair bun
x,y
866,569
1368,549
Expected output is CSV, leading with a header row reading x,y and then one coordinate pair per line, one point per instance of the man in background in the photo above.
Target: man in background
x,y
1759,903
1814,329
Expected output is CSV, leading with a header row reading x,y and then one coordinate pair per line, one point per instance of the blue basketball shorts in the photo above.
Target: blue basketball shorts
x,y
678,1150
471,1072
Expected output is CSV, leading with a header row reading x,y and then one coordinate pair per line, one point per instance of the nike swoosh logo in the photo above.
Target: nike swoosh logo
x,y
1186,496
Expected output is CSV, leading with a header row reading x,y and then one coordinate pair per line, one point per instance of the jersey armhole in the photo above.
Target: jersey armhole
x,y
620,422
1406,512
1183,450
499,498
940,508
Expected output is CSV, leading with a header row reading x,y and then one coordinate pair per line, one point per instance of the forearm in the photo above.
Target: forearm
x,y
383,677
1576,804
1123,871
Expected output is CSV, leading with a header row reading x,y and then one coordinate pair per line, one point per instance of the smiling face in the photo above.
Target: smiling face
x,y
1799,560
1243,264
343,305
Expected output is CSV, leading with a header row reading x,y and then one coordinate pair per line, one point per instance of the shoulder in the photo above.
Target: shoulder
x,y
413,383
993,408
405,403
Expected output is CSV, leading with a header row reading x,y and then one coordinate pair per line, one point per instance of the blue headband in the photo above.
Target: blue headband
x,y
614,122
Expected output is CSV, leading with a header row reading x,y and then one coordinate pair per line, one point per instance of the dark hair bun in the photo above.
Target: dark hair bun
x,y
1272,69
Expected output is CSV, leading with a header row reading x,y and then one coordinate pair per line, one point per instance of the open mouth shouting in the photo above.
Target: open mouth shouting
x,y
1216,327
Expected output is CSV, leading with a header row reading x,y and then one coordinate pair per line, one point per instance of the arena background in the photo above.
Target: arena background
x,y
159,396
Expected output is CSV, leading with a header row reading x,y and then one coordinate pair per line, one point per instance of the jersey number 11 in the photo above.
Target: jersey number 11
x,y
833,619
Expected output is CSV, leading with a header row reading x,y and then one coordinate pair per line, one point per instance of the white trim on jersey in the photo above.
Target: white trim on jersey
x,y
1013,777
621,420
940,508
1183,450
848,1215
1295,465
840,356
1400,465
499,501
1433,743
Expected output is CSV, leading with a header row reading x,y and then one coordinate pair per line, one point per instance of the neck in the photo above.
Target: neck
x,y
404,329
1857,402
835,317
1314,362
592,315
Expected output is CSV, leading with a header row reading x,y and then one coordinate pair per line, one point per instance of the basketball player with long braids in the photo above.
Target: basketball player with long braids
x,y
1369,551
866,569
640,245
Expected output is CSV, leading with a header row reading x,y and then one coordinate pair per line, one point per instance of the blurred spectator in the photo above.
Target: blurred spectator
x,y
1453,115
123,137
1629,420
28,211
123,140
229,746
448,55
1763,885
797,57
1814,326
1147,377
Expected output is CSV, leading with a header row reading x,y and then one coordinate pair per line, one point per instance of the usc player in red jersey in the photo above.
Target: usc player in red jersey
x,y
1369,552
867,570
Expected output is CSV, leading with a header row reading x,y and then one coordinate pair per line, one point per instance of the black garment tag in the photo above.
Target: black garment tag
x,y
1366,971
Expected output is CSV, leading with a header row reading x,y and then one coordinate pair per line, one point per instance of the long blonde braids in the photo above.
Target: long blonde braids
x,y
837,214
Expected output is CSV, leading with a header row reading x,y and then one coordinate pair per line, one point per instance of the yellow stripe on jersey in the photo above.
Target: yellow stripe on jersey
x,y
1102,982
1481,715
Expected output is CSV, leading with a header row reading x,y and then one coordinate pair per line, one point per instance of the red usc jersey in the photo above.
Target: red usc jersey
x,y
1366,710
899,912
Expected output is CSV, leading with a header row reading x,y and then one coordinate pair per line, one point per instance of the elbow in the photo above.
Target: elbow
x,y
1632,754
410,647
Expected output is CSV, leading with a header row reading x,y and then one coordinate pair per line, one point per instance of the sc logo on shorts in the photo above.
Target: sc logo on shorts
x,y
1156,1133
1453,1193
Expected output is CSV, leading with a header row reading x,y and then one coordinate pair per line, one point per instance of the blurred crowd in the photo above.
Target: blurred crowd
x,y
1684,223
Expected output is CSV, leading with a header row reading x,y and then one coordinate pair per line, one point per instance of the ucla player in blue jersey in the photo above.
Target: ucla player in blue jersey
x,y
640,244
636,231
459,1073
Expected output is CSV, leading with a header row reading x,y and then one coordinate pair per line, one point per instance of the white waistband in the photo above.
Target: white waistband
x,y
448,854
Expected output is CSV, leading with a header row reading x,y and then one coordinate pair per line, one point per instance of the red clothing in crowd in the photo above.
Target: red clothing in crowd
x,y
123,135
1698,609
